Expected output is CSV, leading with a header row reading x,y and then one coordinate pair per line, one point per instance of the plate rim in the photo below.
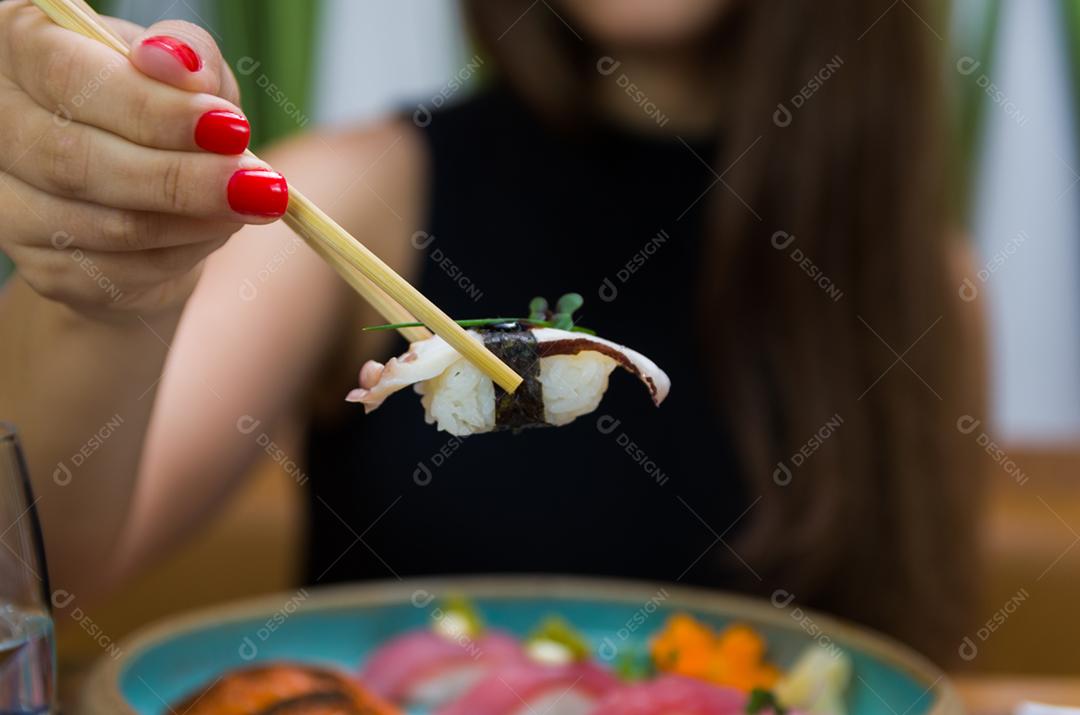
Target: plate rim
x,y
101,693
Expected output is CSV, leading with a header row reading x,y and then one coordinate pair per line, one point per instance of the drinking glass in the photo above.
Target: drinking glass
x,y
27,650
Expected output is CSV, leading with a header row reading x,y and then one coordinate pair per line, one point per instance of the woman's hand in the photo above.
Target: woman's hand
x,y
119,176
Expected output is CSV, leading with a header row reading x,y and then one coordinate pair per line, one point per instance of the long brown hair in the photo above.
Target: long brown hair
x,y
829,257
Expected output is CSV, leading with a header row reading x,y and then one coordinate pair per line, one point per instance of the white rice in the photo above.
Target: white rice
x,y
461,400
573,384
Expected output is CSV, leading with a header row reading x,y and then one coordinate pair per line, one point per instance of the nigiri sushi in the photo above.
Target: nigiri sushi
x,y
678,695
283,688
557,677
524,688
429,667
565,371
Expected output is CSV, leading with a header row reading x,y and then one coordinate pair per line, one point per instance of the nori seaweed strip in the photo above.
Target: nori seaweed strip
x,y
516,346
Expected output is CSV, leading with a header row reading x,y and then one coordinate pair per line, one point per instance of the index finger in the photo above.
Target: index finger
x,y
79,79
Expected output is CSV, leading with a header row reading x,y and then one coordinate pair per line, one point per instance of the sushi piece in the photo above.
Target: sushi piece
x,y
429,667
565,373
529,688
280,688
557,678
674,695
424,669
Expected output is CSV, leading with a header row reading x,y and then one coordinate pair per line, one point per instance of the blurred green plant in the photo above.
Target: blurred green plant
x,y
972,51
270,46
1071,8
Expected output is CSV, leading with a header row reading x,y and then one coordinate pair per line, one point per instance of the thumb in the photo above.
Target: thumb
x,y
184,56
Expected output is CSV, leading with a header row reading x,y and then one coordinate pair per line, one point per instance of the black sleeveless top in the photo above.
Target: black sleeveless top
x,y
517,210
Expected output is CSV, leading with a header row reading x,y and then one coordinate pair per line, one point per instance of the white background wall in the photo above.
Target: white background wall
x,y
1029,182
380,56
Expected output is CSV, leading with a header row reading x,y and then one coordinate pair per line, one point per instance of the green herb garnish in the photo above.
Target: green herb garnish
x,y
538,308
539,317
633,665
564,310
763,700
457,618
555,639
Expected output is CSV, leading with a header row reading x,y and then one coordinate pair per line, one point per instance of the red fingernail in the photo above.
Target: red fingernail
x,y
258,192
180,50
223,132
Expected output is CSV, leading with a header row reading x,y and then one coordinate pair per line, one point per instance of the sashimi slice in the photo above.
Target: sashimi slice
x,y
423,360
529,687
552,341
673,695
428,669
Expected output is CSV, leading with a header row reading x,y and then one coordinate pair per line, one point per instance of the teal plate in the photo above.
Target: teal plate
x,y
340,626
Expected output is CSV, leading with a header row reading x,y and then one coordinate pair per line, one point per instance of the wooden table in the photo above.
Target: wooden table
x,y
999,695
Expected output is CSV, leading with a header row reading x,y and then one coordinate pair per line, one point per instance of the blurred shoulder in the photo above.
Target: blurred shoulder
x,y
963,269
962,259
370,178
393,142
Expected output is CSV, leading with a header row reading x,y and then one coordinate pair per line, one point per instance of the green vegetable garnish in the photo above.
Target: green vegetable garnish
x,y
539,317
538,308
633,665
457,618
556,641
470,323
564,310
762,700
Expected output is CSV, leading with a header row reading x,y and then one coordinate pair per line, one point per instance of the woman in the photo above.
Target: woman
x,y
751,193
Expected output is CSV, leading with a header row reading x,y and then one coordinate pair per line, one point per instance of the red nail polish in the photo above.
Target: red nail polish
x,y
258,192
223,132
180,50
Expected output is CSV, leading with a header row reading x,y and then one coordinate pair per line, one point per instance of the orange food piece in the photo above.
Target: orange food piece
x,y
683,640
742,643
284,689
735,657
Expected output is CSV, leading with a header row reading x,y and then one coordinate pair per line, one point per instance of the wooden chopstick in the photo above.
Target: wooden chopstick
x,y
390,294
386,307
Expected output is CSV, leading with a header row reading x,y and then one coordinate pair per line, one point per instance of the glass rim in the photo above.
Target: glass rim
x,y
8,433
